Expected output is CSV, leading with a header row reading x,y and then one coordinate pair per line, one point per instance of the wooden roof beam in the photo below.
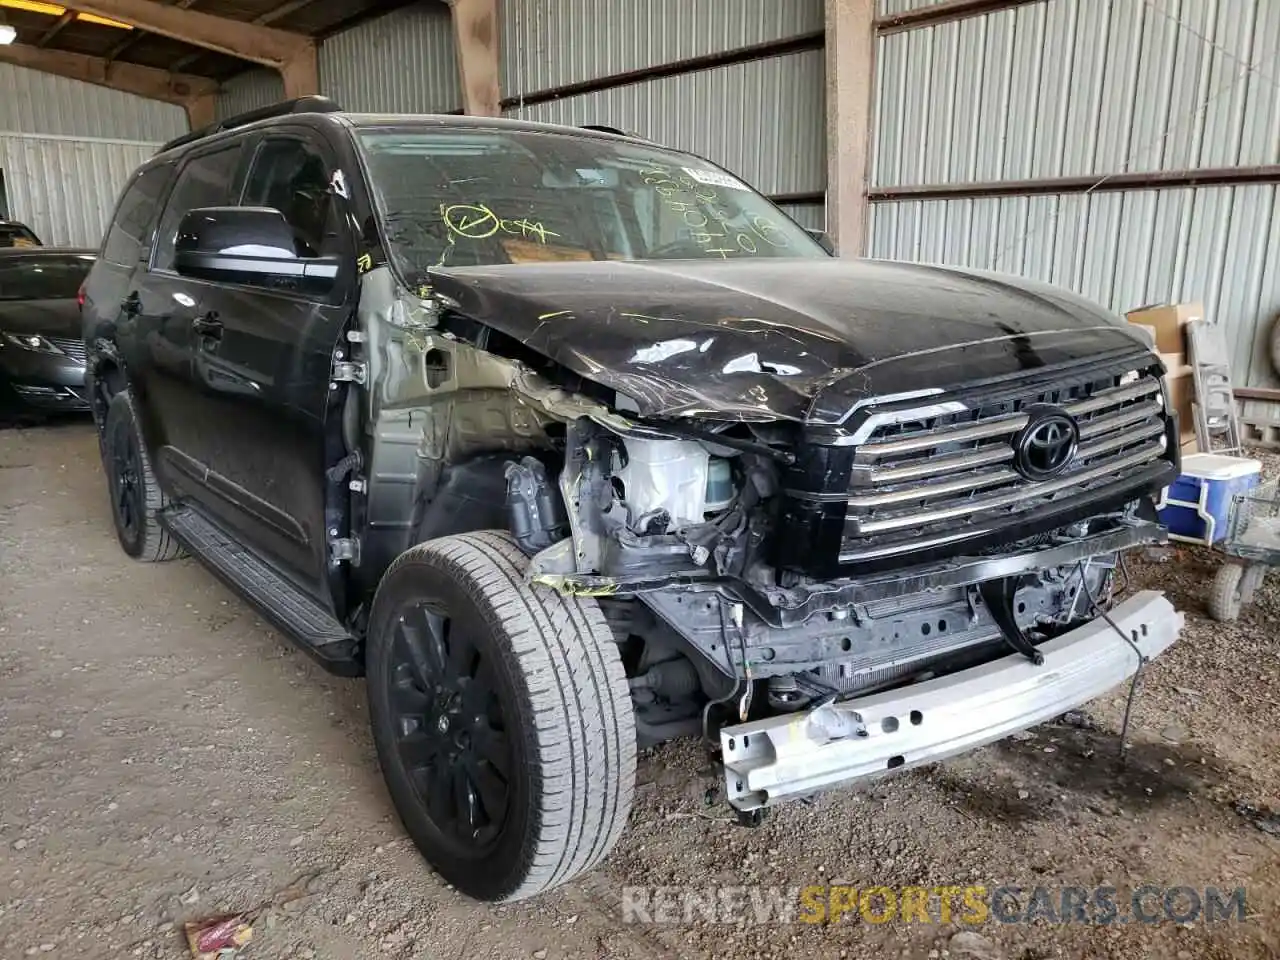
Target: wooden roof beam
x,y
135,35
58,26
255,42
475,37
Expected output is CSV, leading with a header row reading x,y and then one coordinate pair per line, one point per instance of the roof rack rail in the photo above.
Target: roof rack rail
x,y
602,128
281,109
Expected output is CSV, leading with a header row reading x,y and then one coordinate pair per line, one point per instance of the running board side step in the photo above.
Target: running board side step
x,y
308,624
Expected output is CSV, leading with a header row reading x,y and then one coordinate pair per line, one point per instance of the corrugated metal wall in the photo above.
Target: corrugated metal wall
x,y
762,118
1080,87
35,102
551,43
66,188
782,149
249,91
67,147
402,62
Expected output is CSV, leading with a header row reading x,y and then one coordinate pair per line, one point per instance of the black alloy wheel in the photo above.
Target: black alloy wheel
x,y
502,717
128,498
136,497
450,731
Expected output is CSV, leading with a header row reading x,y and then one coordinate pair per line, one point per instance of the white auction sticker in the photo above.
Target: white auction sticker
x,y
714,178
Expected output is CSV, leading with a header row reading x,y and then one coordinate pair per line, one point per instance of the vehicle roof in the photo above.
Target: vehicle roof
x,y
461,120
356,120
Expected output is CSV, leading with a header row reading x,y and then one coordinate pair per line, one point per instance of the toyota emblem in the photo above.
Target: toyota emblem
x,y
1047,444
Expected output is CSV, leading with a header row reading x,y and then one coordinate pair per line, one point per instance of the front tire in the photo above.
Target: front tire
x,y
501,716
136,496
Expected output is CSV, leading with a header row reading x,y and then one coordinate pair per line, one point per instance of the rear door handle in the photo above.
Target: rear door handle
x,y
208,326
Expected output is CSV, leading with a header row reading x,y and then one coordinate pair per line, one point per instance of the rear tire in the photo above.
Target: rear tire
x,y
501,715
1225,598
136,496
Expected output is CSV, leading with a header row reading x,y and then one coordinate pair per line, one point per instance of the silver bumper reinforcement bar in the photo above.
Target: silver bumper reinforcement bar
x,y
785,757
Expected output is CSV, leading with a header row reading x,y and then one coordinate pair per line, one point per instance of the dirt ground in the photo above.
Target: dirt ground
x,y
164,756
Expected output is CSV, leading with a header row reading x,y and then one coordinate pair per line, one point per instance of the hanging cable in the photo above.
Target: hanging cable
x,y
1142,661
737,678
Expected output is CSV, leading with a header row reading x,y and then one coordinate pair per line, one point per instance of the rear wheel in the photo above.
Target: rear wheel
x,y
502,718
136,496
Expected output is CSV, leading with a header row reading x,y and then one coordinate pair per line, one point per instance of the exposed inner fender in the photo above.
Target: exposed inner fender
x,y
469,496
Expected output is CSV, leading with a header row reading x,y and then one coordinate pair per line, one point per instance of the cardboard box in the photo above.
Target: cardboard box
x,y
1166,322
1182,390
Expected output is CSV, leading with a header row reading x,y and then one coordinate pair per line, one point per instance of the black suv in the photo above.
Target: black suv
x,y
573,444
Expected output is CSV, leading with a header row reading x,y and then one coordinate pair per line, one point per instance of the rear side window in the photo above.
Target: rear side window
x,y
130,232
203,182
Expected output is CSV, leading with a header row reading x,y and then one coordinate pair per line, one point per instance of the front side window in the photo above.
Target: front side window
x,y
205,181
43,278
129,235
291,176
467,197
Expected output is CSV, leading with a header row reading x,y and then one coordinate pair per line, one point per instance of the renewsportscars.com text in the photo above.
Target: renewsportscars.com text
x,y
969,904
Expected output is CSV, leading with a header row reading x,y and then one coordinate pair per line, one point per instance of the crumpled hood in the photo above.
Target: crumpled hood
x,y
782,338
49,318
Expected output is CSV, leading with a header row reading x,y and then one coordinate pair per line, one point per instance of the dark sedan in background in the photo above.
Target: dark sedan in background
x,y
41,351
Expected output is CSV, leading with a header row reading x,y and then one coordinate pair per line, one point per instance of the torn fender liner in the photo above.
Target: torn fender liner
x,y
766,338
779,758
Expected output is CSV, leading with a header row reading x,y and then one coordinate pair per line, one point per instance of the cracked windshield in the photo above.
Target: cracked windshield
x,y
455,200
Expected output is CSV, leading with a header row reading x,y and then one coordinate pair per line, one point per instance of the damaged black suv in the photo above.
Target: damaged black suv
x,y
573,444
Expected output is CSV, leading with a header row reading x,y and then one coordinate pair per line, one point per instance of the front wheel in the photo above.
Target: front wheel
x,y
501,716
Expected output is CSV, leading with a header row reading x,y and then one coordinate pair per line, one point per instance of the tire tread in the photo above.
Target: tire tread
x,y
582,733
158,544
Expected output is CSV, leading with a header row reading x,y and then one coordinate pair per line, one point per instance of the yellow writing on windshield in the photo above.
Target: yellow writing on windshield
x,y
707,218
477,221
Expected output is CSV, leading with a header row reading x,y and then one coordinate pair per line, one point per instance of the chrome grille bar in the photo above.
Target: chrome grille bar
x,y
991,478
1002,426
860,527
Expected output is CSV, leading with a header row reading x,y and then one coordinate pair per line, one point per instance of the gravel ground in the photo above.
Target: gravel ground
x,y
165,756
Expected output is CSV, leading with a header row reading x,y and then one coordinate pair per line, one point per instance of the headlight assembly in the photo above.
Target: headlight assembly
x,y
29,341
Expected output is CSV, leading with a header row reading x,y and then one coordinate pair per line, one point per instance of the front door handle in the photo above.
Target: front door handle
x,y
208,326
131,305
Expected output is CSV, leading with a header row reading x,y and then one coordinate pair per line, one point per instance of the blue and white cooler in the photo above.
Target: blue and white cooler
x,y
1197,506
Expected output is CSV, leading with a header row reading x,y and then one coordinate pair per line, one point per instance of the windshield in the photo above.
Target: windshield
x,y
43,278
16,235
463,198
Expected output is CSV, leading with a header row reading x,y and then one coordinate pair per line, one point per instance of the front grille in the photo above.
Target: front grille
x,y
917,483
72,348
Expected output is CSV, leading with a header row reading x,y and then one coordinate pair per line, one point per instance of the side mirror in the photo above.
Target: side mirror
x,y
824,241
249,245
